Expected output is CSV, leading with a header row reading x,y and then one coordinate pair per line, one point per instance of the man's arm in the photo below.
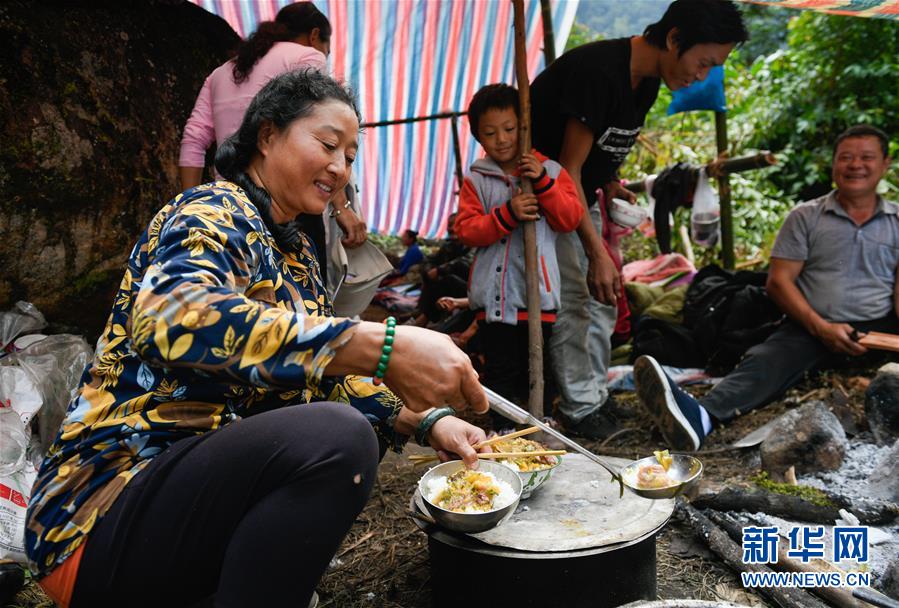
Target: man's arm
x,y
781,286
602,276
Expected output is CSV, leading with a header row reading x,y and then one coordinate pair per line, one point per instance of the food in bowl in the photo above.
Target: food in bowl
x,y
655,475
467,491
524,464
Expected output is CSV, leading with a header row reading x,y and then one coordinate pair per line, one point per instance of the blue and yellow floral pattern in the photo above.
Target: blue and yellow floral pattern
x,y
212,322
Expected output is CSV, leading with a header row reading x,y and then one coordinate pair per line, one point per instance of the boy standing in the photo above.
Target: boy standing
x,y
491,205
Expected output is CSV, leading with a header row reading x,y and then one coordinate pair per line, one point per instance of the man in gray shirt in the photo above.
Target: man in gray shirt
x,y
833,272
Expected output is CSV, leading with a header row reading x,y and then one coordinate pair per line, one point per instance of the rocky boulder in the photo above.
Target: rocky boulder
x,y
882,404
94,96
809,438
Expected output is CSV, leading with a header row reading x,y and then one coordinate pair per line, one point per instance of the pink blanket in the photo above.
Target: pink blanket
x,y
656,269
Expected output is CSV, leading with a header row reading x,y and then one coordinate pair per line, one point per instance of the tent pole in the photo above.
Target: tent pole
x,y
457,149
727,221
535,331
549,39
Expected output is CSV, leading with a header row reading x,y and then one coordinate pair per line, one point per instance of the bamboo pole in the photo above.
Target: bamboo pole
x,y
457,151
549,38
727,220
535,332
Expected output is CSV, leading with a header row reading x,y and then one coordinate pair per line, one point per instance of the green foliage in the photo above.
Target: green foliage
x,y
580,35
835,72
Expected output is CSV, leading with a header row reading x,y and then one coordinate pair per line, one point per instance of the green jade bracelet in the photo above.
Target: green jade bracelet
x,y
385,350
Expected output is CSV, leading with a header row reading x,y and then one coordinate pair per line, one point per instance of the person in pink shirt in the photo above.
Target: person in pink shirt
x,y
298,38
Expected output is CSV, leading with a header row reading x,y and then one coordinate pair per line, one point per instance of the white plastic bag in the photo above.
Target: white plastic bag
x,y
353,274
15,490
54,365
23,318
705,220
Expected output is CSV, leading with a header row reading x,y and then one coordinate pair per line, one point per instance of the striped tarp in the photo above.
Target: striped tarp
x,y
408,58
883,9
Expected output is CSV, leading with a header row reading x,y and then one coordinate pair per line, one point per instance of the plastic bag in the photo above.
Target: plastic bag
x,y
705,94
13,442
705,220
15,490
54,365
23,318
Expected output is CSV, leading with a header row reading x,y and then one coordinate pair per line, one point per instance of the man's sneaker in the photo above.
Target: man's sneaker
x,y
676,413
596,425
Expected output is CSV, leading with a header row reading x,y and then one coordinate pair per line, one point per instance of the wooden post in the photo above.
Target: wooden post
x,y
535,331
727,221
549,38
457,150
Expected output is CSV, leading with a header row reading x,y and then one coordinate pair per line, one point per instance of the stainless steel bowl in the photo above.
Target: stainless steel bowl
x,y
685,471
470,522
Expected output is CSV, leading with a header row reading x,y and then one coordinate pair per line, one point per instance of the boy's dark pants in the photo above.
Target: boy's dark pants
x,y
505,349
770,368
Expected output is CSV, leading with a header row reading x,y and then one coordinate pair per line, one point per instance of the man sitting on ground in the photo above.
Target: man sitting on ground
x,y
833,273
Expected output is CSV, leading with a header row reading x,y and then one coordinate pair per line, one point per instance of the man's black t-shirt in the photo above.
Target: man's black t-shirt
x,y
592,84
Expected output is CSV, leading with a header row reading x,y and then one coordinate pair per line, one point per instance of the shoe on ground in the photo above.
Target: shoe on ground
x,y
676,413
596,425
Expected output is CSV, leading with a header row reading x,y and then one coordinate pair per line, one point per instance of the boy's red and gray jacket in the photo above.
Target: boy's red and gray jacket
x,y
496,283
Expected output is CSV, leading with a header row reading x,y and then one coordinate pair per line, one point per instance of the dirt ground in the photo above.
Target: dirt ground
x,y
383,562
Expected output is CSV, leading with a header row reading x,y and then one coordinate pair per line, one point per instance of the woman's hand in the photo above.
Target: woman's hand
x,y
427,370
354,229
452,436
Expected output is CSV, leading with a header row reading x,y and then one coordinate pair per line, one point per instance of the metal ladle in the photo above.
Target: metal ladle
x,y
690,465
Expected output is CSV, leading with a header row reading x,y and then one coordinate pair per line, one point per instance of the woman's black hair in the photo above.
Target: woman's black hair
x,y
293,20
497,96
284,99
698,22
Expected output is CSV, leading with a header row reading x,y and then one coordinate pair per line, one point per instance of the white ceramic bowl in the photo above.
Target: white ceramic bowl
x,y
627,214
532,480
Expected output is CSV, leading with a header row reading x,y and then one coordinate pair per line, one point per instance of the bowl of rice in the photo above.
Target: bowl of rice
x,y
465,500
534,471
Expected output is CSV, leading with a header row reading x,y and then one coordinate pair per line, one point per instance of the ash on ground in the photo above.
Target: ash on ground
x,y
851,479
